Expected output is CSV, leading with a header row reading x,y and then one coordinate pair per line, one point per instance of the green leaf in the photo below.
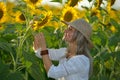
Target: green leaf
x,y
29,57
10,28
115,24
93,19
34,66
89,0
60,1
114,40
9,36
4,70
15,76
6,46
28,64
100,38
37,72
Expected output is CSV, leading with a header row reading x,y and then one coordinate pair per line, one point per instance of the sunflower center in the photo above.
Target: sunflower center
x,y
1,13
68,16
73,2
34,1
22,17
44,21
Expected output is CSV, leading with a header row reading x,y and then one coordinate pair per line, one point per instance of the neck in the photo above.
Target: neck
x,y
71,50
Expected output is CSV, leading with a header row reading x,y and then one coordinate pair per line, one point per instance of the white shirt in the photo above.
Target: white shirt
x,y
76,68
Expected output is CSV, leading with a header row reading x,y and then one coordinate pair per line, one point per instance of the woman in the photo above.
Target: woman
x,y
75,61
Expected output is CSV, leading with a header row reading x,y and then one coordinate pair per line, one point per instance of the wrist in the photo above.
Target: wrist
x,y
43,48
44,52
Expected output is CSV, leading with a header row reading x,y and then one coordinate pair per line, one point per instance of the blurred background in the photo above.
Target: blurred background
x,y
20,20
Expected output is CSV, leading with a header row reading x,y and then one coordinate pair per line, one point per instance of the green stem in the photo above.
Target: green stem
x,y
26,75
14,63
19,50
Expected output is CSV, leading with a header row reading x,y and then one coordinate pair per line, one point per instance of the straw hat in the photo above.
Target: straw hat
x,y
82,26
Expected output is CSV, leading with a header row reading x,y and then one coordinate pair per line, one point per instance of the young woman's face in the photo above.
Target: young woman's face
x,y
68,33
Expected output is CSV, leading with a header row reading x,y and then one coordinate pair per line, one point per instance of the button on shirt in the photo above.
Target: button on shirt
x,y
75,68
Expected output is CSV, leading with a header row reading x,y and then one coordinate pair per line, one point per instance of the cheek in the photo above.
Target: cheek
x,y
69,36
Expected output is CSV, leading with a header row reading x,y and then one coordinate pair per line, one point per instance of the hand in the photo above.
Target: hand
x,y
39,42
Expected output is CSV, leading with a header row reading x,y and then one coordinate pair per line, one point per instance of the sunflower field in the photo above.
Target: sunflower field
x,y
22,19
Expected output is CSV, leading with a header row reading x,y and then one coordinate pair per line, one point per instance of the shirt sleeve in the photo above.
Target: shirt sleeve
x,y
73,65
54,54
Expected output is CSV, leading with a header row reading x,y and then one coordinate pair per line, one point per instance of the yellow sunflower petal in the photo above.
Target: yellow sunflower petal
x,y
99,2
72,3
19,17
33,3
108,7
113,29
2,12
69,14
10,13
54,24
96,12
43,22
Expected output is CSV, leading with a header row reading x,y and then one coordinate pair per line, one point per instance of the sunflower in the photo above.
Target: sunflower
x,y
112,2
33,3
2,12
55,10
54,24
9,6
40,24
115,15
69,14
81,13
10,13
20,17
113,29
35,11
96,12
73,3
99,2
108,7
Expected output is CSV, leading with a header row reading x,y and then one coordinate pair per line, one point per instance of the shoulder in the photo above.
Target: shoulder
x,y
80,59
79,62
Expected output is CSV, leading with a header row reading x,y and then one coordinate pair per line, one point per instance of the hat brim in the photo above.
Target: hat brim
x,y
67,23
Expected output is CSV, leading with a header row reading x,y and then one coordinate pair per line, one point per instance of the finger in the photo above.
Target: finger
x,y
36,45
42,37
36,42
38,37
43,44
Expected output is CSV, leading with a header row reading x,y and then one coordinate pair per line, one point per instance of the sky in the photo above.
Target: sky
x,y
84,2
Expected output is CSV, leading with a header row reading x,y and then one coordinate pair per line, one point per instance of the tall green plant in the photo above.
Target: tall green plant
x,y
17,57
